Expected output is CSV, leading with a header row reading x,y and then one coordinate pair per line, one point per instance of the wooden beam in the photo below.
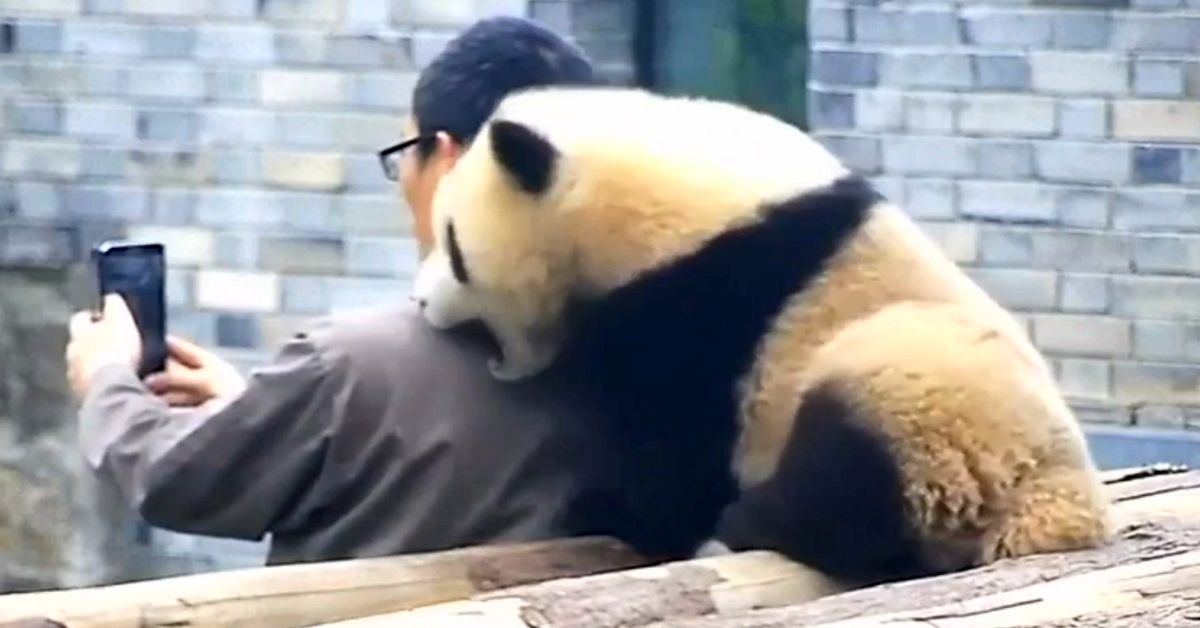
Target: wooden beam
x,y
306,594
1158,515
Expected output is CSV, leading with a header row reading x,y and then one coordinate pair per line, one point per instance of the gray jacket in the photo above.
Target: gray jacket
x,y
367,436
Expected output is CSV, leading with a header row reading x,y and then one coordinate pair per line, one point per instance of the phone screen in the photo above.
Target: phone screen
x,y
137,272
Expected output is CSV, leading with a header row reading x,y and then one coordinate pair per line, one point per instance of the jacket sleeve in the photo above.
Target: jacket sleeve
x,y
238,468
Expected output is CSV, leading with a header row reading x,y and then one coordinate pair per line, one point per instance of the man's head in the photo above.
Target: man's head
x,y
460,88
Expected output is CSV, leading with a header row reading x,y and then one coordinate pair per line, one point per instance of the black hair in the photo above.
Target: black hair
x,y
462,86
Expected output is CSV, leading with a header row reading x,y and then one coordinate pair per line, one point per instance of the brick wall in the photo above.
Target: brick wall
x,y
1052,147
242,133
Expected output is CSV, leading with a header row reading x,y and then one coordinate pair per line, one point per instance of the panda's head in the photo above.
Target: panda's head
x,y
570,193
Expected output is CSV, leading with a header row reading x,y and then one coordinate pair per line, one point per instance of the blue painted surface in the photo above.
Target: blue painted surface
x,y
1115,447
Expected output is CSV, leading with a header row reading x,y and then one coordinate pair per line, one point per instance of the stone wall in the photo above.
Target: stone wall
x,y
1051,147
242,133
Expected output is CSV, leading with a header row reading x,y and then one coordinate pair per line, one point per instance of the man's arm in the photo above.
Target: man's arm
x,y
238,467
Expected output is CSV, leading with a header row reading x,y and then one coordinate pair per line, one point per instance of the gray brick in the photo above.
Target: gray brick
x,y
236,86
307,211
929,28
1007,201
390,90
1093,412
845,68
879,110
237,250
364,52
373,214
830,110
1082,207
1066,250
63,79
1162,340
38,37
930,155
387,257
170,42
1157,120
1079,73
35,246
958,240
238,208
1005,160
1079,30
1159,417
174,83
52,159
1150,210
1155,297
237,126
873,25
1007,115
1168,254
926,70
1001,72
1082,335
102,162
199,327
932,113
1083,162
301,10
1084,293
1085,379
1018,289
103,39
233,8
237,43
295,47
1156,383
987,26
37,200
825,23
1190,165
105,80
1083,119
236,166
930,199
97,120
1157,164
34,116
1006,246
305,295
426,45
105,202
363,174
176,165
173,206
238,331
1158,78
170,125
858,153
892,188
1157,33
356,293
178,288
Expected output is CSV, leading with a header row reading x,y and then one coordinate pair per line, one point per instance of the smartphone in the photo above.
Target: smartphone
x,y
137,272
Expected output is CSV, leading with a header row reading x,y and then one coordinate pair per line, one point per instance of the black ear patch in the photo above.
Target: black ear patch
x,y
527,156
457,264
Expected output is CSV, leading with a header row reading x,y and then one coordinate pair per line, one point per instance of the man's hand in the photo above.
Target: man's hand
x,y
111,339
194,376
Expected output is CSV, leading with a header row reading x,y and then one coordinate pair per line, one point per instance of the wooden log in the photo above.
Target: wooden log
x,y
1096,594
306,594
1158,513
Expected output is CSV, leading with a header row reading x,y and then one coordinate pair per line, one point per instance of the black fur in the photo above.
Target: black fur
x,y
457,265
527,156
666,350
835,503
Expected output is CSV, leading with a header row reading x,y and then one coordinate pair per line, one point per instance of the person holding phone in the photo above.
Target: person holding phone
x,y
369,434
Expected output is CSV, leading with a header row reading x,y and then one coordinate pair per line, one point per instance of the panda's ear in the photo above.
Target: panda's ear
x,y
527,156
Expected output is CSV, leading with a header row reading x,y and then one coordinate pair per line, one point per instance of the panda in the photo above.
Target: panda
x,y
788,361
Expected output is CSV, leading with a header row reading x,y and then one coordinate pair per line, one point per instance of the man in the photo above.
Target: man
x,y
367,436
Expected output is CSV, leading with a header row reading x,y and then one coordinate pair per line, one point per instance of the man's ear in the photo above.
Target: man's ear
x,y
524,154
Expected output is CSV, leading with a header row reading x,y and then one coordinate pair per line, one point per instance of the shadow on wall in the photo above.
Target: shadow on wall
x,y
59,527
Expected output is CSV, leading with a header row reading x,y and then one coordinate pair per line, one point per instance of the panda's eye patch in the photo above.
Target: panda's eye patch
x,y
457,264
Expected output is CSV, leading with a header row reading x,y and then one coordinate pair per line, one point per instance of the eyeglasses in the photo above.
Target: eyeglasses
x,y
389,157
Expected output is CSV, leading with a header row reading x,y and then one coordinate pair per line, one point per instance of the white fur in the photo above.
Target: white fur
x,y
442,300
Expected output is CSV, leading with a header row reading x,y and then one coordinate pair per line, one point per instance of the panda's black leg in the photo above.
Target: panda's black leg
x,y
835,503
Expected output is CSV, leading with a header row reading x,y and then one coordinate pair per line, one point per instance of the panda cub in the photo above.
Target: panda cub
x,y
788,361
